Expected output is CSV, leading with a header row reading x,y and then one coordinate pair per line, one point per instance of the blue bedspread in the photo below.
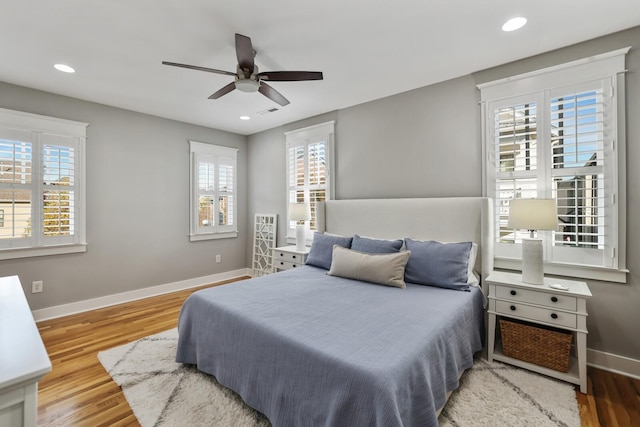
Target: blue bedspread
x,y
308,349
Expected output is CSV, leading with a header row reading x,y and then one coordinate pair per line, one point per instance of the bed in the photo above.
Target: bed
x,y
308,348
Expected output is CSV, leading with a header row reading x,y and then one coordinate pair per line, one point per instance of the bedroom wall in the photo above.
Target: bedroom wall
x,y
427,143
137,204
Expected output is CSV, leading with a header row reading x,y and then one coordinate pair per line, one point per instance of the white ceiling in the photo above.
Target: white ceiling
x,y
367,49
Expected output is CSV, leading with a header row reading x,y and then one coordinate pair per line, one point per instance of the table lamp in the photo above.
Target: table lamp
x,y
300,212
532,215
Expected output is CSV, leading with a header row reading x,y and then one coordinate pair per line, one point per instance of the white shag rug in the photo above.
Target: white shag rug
x,y
162,392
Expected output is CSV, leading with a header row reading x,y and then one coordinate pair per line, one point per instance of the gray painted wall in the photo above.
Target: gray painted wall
x,y
427,143
137,204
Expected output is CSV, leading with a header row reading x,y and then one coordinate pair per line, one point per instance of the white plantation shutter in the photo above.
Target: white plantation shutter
x,y
559,142
226,192
58,190
317,157
41,185
213,191
516,137
581,169
16,165
309,169
206,192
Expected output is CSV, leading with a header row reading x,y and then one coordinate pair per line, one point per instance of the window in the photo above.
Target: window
x,y
309,169
559,133
213,192
42,195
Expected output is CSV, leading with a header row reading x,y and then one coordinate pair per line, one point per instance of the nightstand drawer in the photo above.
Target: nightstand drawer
x,y
289,257
537,314
534,297
284,265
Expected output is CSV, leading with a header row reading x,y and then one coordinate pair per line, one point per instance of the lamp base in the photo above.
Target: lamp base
x,y
300,238
532,267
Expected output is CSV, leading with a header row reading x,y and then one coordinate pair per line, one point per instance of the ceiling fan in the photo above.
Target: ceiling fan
x,y
247,77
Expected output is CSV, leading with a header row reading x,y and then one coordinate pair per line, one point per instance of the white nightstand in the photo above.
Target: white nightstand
x,y
510,297
288,257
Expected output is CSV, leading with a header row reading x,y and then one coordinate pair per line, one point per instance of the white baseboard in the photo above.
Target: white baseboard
x,y
108,300
613,363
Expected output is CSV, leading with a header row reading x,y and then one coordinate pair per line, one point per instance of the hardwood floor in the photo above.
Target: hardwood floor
x,y
79,392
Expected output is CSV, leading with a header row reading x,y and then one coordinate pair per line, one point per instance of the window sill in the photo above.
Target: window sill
x,y
569,270
42,251
213,236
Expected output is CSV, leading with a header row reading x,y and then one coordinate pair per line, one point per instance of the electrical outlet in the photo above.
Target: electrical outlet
x,y
217,258
37,286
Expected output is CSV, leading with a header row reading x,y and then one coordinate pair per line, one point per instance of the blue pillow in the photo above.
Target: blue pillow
x,y
375,246
321,252
438,264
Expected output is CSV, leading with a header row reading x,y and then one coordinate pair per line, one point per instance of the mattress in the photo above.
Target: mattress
x,y
308,349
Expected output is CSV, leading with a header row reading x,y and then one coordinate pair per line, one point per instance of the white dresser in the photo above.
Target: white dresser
x,y
288,257
23,357
566,309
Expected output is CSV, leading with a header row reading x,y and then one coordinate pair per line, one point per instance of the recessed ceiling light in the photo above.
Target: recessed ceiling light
x,y
64,68
514,24
245,118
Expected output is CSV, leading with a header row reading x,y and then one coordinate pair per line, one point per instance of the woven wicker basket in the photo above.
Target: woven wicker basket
x,y
541,346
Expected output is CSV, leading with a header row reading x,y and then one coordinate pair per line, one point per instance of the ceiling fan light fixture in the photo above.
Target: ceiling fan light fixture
x,y
247,85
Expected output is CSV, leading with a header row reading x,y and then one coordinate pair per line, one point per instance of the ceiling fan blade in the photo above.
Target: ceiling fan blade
x,y
244,53
290,76
225,90
195,67
272,94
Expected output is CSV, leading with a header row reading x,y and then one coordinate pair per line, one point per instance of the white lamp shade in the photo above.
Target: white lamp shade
x,y
299,212
533,214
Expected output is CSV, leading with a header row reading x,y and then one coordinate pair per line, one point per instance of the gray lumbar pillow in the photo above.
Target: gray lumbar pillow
x,y
384,269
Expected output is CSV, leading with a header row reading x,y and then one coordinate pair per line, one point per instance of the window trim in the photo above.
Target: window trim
x,y
201,148
322,131
610,65
38,125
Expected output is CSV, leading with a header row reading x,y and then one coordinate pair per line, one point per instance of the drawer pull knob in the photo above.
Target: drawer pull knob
x,y
281,263
513,292
554,316
294,266
554,299
281,254
294,257
513,308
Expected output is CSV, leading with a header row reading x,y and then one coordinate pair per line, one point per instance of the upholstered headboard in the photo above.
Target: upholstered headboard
x,y
451,219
